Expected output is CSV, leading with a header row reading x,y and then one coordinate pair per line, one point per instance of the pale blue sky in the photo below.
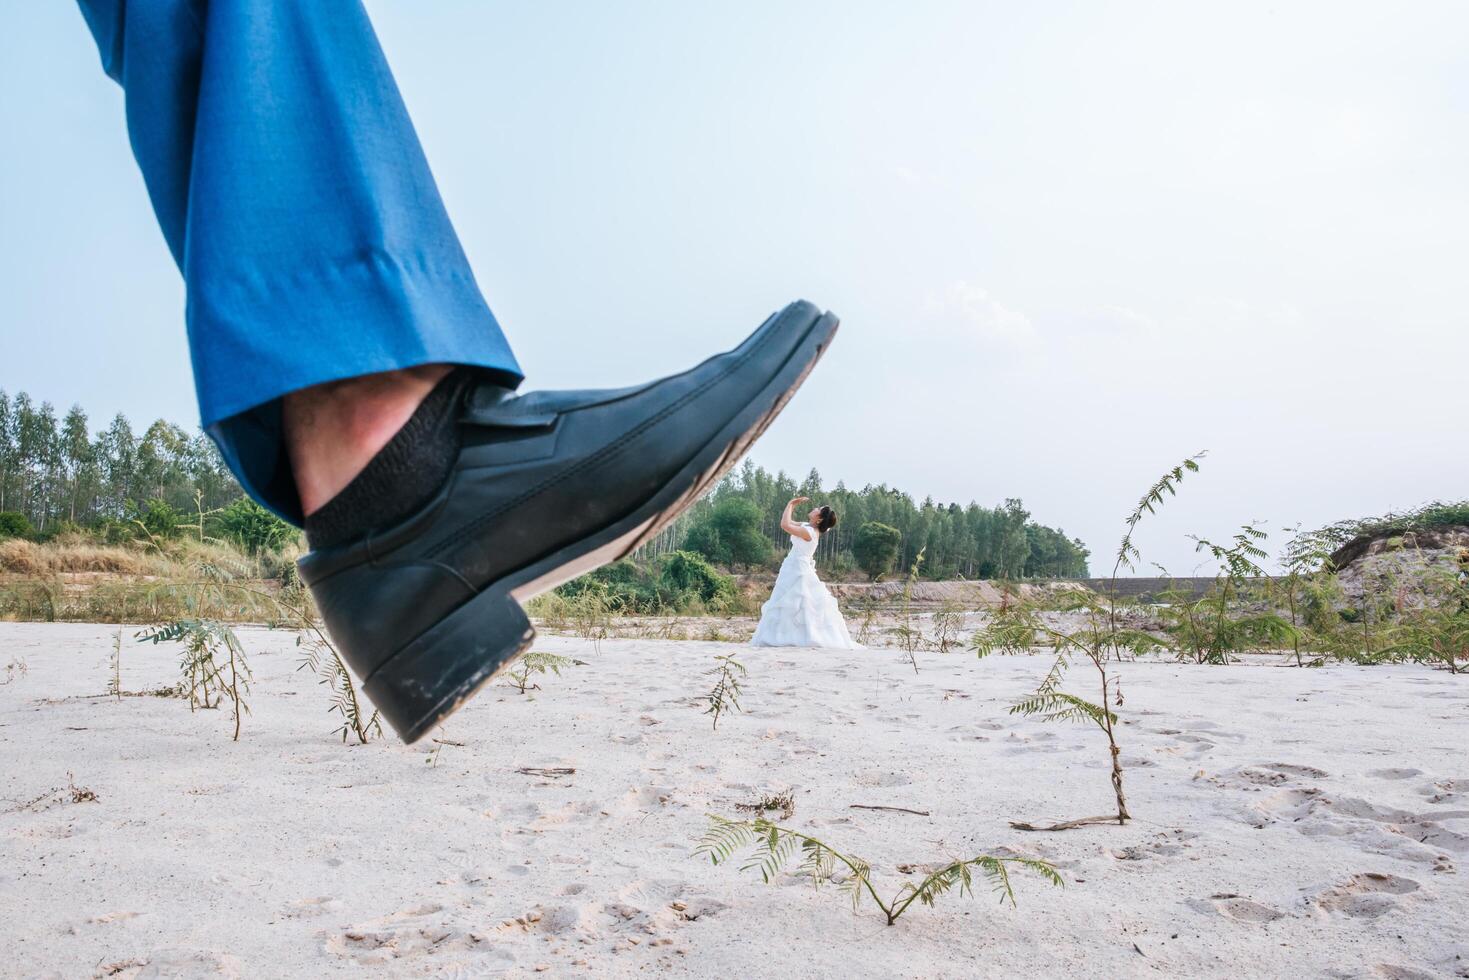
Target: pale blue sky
x,y
1070,243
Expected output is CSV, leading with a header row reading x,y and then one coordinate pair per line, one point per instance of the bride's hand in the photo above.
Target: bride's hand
x,y
797,500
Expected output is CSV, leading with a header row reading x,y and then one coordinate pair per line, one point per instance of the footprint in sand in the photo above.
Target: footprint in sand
x,y
1164,845
1422,828
1366,895
1289,769
579,811
1194,740
1392,971
190,963
1259,777
639,799
1293,805
1445,790
1238,908
640,912
513,814
106,917
579,921
1394,773
1378,829
310,908
412,934
1188,745
175,963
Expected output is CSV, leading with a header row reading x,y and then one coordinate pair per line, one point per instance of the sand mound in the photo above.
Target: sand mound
x,y
1413,567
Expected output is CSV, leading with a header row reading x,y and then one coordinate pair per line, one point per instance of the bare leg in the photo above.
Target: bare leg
x,y
333,430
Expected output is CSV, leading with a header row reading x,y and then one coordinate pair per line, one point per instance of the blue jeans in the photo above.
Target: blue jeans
x,y
297,202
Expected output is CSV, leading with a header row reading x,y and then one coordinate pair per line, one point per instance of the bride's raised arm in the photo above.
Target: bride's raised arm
x,y
788,525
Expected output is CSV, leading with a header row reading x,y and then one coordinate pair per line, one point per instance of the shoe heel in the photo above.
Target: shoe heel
x,y
430,678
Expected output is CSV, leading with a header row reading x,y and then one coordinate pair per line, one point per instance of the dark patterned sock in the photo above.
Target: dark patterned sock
x,y
403,476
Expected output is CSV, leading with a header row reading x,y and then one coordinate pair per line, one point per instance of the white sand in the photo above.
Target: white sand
x,y
1288,822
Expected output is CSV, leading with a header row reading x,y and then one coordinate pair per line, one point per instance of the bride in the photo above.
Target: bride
x,y
801,612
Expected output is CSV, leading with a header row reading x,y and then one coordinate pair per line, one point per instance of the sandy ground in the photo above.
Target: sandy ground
x,y
1288,822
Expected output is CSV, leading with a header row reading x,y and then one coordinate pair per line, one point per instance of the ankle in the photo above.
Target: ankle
x,y
334,430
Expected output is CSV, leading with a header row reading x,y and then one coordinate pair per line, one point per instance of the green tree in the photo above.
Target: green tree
x,y
876,548
76,458
162,472
8,454
116,451
730,534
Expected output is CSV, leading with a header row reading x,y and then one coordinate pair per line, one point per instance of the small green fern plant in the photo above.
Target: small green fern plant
x,y
724,696
1227,627
213,663
1303,559
869,617
536,662
292,608
16,668
202,516
947,623
1018,625
320,658
910,636
1436,632
591,611
775,847
207,681
114,683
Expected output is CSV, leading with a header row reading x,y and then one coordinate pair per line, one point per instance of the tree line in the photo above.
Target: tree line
x,y
969,541
55,473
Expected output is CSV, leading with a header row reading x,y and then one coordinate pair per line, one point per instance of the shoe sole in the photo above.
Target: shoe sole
x,y
437,673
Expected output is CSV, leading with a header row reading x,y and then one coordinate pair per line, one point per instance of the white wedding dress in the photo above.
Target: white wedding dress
x,y
800,611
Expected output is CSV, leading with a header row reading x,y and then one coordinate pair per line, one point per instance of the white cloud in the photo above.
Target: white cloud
x,y
984,316
1127,319
908,175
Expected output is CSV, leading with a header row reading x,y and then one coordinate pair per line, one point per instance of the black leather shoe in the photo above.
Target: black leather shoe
x,y
548,486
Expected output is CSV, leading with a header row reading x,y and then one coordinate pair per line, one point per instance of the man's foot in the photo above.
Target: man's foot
x,y
544,487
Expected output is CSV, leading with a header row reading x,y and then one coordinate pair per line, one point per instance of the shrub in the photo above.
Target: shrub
x,y
253,527
14,524
160,519
112,531
623,585
63,531
686,573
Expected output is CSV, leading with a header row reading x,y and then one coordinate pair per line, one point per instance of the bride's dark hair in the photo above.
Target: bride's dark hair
x,y
826,519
